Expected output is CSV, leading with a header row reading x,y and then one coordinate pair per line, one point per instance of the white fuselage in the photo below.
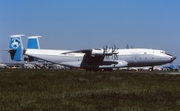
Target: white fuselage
x,y
133,57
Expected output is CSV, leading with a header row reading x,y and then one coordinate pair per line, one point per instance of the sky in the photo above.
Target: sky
x,y
81,24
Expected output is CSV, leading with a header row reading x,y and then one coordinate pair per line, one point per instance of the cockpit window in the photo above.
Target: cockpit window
x,y
167,53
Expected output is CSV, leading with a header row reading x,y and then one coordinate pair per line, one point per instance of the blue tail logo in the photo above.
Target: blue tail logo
x,y
16,47
15,43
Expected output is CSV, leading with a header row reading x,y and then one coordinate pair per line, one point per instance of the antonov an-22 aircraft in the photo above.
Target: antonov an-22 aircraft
x,y
90,59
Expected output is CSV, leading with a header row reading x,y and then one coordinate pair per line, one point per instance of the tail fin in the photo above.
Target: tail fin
x,y
16,47
33,42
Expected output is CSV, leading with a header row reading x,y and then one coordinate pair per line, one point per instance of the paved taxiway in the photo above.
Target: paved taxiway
x,y
171,73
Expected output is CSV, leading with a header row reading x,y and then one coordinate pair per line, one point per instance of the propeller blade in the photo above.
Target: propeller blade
x,y
106,47
116,57
114,47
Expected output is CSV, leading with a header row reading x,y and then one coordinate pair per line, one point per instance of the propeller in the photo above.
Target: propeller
x,y
105,51
111,51
115,52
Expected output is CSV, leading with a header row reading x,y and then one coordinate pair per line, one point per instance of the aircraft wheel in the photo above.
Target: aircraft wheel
x,y
150,69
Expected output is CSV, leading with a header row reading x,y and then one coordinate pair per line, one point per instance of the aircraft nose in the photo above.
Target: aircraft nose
x,y
173,58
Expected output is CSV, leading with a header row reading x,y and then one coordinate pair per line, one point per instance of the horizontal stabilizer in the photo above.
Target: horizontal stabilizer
x,y
30,59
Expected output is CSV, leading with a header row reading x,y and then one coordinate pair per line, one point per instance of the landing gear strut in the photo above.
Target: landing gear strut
x,y
151,69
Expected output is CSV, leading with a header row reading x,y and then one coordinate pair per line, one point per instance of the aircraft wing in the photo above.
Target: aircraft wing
x,y
87,51
95,52
95,58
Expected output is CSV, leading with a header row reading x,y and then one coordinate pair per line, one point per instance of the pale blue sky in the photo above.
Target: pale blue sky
x,y
79,24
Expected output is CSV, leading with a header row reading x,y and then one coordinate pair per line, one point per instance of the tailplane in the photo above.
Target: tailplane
x,y
16,47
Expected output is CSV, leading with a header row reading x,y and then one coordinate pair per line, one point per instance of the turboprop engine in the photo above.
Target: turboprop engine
x,y
97,52
107,52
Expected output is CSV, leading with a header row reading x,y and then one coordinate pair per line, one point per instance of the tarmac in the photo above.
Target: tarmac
x,y
171,73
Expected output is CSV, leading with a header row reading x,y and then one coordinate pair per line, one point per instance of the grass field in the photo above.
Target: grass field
x,y
72,90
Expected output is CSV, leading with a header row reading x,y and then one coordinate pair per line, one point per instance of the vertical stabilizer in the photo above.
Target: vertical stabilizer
x,y
16,47
33,42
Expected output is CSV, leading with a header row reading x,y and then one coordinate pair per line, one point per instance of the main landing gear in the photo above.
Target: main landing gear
x,y
151,69
96,69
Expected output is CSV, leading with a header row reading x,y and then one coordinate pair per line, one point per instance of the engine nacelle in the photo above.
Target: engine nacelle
x,y
97,52
121,63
